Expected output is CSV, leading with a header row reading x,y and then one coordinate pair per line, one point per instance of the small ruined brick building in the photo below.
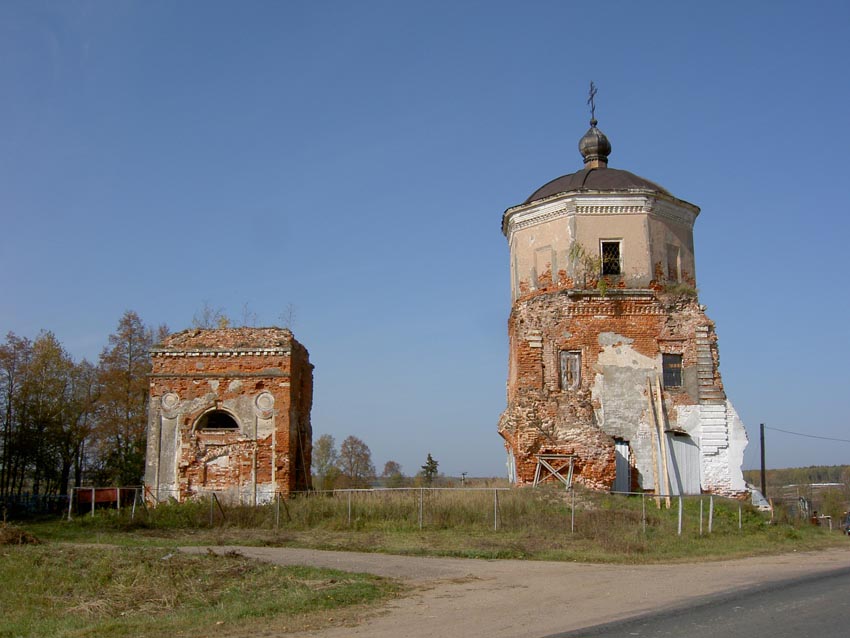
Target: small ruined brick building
x,y
229,413
612,359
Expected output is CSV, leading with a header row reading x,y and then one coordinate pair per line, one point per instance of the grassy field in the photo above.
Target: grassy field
x,y
534,524
117,575
64,590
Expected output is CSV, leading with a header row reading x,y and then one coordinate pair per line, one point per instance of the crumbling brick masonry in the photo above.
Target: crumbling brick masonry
x,y
229,413
605,319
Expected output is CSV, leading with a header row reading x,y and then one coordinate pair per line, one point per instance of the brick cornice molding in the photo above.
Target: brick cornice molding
x,y
234,352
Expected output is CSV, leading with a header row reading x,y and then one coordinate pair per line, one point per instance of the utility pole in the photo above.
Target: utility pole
x,y
761,440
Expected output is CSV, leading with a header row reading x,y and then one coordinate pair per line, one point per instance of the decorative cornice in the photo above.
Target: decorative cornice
x,y
534,220
609,210
209,352
626,301
591,203
219,375
680,214
613,308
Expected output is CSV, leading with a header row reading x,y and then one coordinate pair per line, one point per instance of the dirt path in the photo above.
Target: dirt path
x,y
511,598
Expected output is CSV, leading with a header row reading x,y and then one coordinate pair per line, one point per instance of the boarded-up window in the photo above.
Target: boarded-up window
x,y
672,367
673,262
610,257
570,369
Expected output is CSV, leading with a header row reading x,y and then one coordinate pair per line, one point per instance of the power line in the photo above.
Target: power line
x,y
808,436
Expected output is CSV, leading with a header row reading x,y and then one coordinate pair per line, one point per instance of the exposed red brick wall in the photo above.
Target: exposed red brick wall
x,y
227,369
540,416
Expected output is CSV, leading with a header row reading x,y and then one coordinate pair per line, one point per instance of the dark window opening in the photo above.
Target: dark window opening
x,y
672,262
672,366
217,420
610,258
570,370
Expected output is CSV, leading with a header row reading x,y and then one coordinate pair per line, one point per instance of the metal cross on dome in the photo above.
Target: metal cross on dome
x,y
591,101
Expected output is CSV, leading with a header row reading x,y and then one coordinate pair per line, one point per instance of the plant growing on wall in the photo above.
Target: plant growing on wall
x,y
587,266
680,289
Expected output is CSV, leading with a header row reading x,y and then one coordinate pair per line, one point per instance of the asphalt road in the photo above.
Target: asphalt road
x,y
525,599
816,606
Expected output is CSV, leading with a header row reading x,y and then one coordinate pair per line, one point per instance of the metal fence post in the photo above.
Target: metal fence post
x,y
277,510
92,502
573,510
70,502
212,495
643,510
740,518
420,507
680,514
700,517
710,513
495,509
349,508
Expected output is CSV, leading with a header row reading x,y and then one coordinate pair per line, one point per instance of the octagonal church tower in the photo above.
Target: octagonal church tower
x,y
613,363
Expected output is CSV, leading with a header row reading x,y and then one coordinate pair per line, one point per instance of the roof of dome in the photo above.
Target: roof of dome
x,y
595,179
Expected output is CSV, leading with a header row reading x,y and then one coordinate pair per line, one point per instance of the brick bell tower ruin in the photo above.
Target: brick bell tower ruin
x,y
612,360
229,413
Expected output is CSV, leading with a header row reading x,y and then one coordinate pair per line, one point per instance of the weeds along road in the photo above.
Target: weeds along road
x,y
513,598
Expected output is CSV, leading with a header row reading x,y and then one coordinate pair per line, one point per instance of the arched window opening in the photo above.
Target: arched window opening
x,y
217,420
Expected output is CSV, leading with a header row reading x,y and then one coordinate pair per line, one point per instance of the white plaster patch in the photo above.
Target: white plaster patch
x,y
616,352
612,339
265,427
265,493
687,418
213,384
619,387
234,386
738,441
220,461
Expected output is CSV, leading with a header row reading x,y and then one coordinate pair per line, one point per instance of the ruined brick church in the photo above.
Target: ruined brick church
x,y
613,364
229,413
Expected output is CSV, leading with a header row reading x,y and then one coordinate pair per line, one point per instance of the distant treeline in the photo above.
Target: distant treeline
x,y
800,475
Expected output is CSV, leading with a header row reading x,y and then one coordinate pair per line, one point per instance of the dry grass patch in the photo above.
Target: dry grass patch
x,y
13,535
103,591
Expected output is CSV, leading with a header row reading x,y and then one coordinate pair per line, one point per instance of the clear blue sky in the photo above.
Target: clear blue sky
x,y
354,159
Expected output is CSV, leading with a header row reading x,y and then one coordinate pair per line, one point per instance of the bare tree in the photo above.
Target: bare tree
x,y
392,474
325,458
355,463
249,317
209,317
287,317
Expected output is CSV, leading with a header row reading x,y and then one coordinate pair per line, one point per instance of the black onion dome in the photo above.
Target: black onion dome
x,y
596,179
594,146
